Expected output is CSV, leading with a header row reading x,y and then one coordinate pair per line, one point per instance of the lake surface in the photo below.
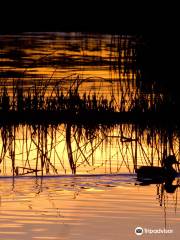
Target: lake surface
x,y
98,207
98,149
39,196
104,65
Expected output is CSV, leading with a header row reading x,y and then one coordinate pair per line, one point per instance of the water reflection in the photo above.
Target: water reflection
x,y
68,148
33,55
45,74
61,178
70,207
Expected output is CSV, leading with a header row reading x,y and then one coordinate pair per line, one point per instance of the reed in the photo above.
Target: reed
x,y
52,149
52,102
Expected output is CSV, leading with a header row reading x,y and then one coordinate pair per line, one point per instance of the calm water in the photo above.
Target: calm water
x,y
39,55
105,206
104,64
102,207
98,149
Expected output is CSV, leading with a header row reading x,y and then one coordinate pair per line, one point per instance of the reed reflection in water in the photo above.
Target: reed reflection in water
x,y
68,148
31,56
52,72
43,64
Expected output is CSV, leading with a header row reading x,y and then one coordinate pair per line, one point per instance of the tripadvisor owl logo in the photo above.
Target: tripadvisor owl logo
x,y
139,231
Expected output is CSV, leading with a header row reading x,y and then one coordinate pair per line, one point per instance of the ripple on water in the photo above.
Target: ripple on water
x,y
81,208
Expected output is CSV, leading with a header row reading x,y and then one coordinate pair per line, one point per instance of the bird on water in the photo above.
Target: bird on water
x,y
159,173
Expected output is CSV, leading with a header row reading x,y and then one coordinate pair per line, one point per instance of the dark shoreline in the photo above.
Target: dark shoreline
x,y
89,117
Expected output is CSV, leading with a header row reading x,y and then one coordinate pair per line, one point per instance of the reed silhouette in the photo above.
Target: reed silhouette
x,y
142,113
39,104
63,148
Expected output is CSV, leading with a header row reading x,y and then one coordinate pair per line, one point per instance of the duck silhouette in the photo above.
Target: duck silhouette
x,y
158,174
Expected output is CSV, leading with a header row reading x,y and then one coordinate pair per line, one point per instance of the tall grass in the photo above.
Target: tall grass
x,y
37,98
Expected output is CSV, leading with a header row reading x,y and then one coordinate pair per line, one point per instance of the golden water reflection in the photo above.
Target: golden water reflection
x,y
38,54
78,208
90,206
105,64
65,149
